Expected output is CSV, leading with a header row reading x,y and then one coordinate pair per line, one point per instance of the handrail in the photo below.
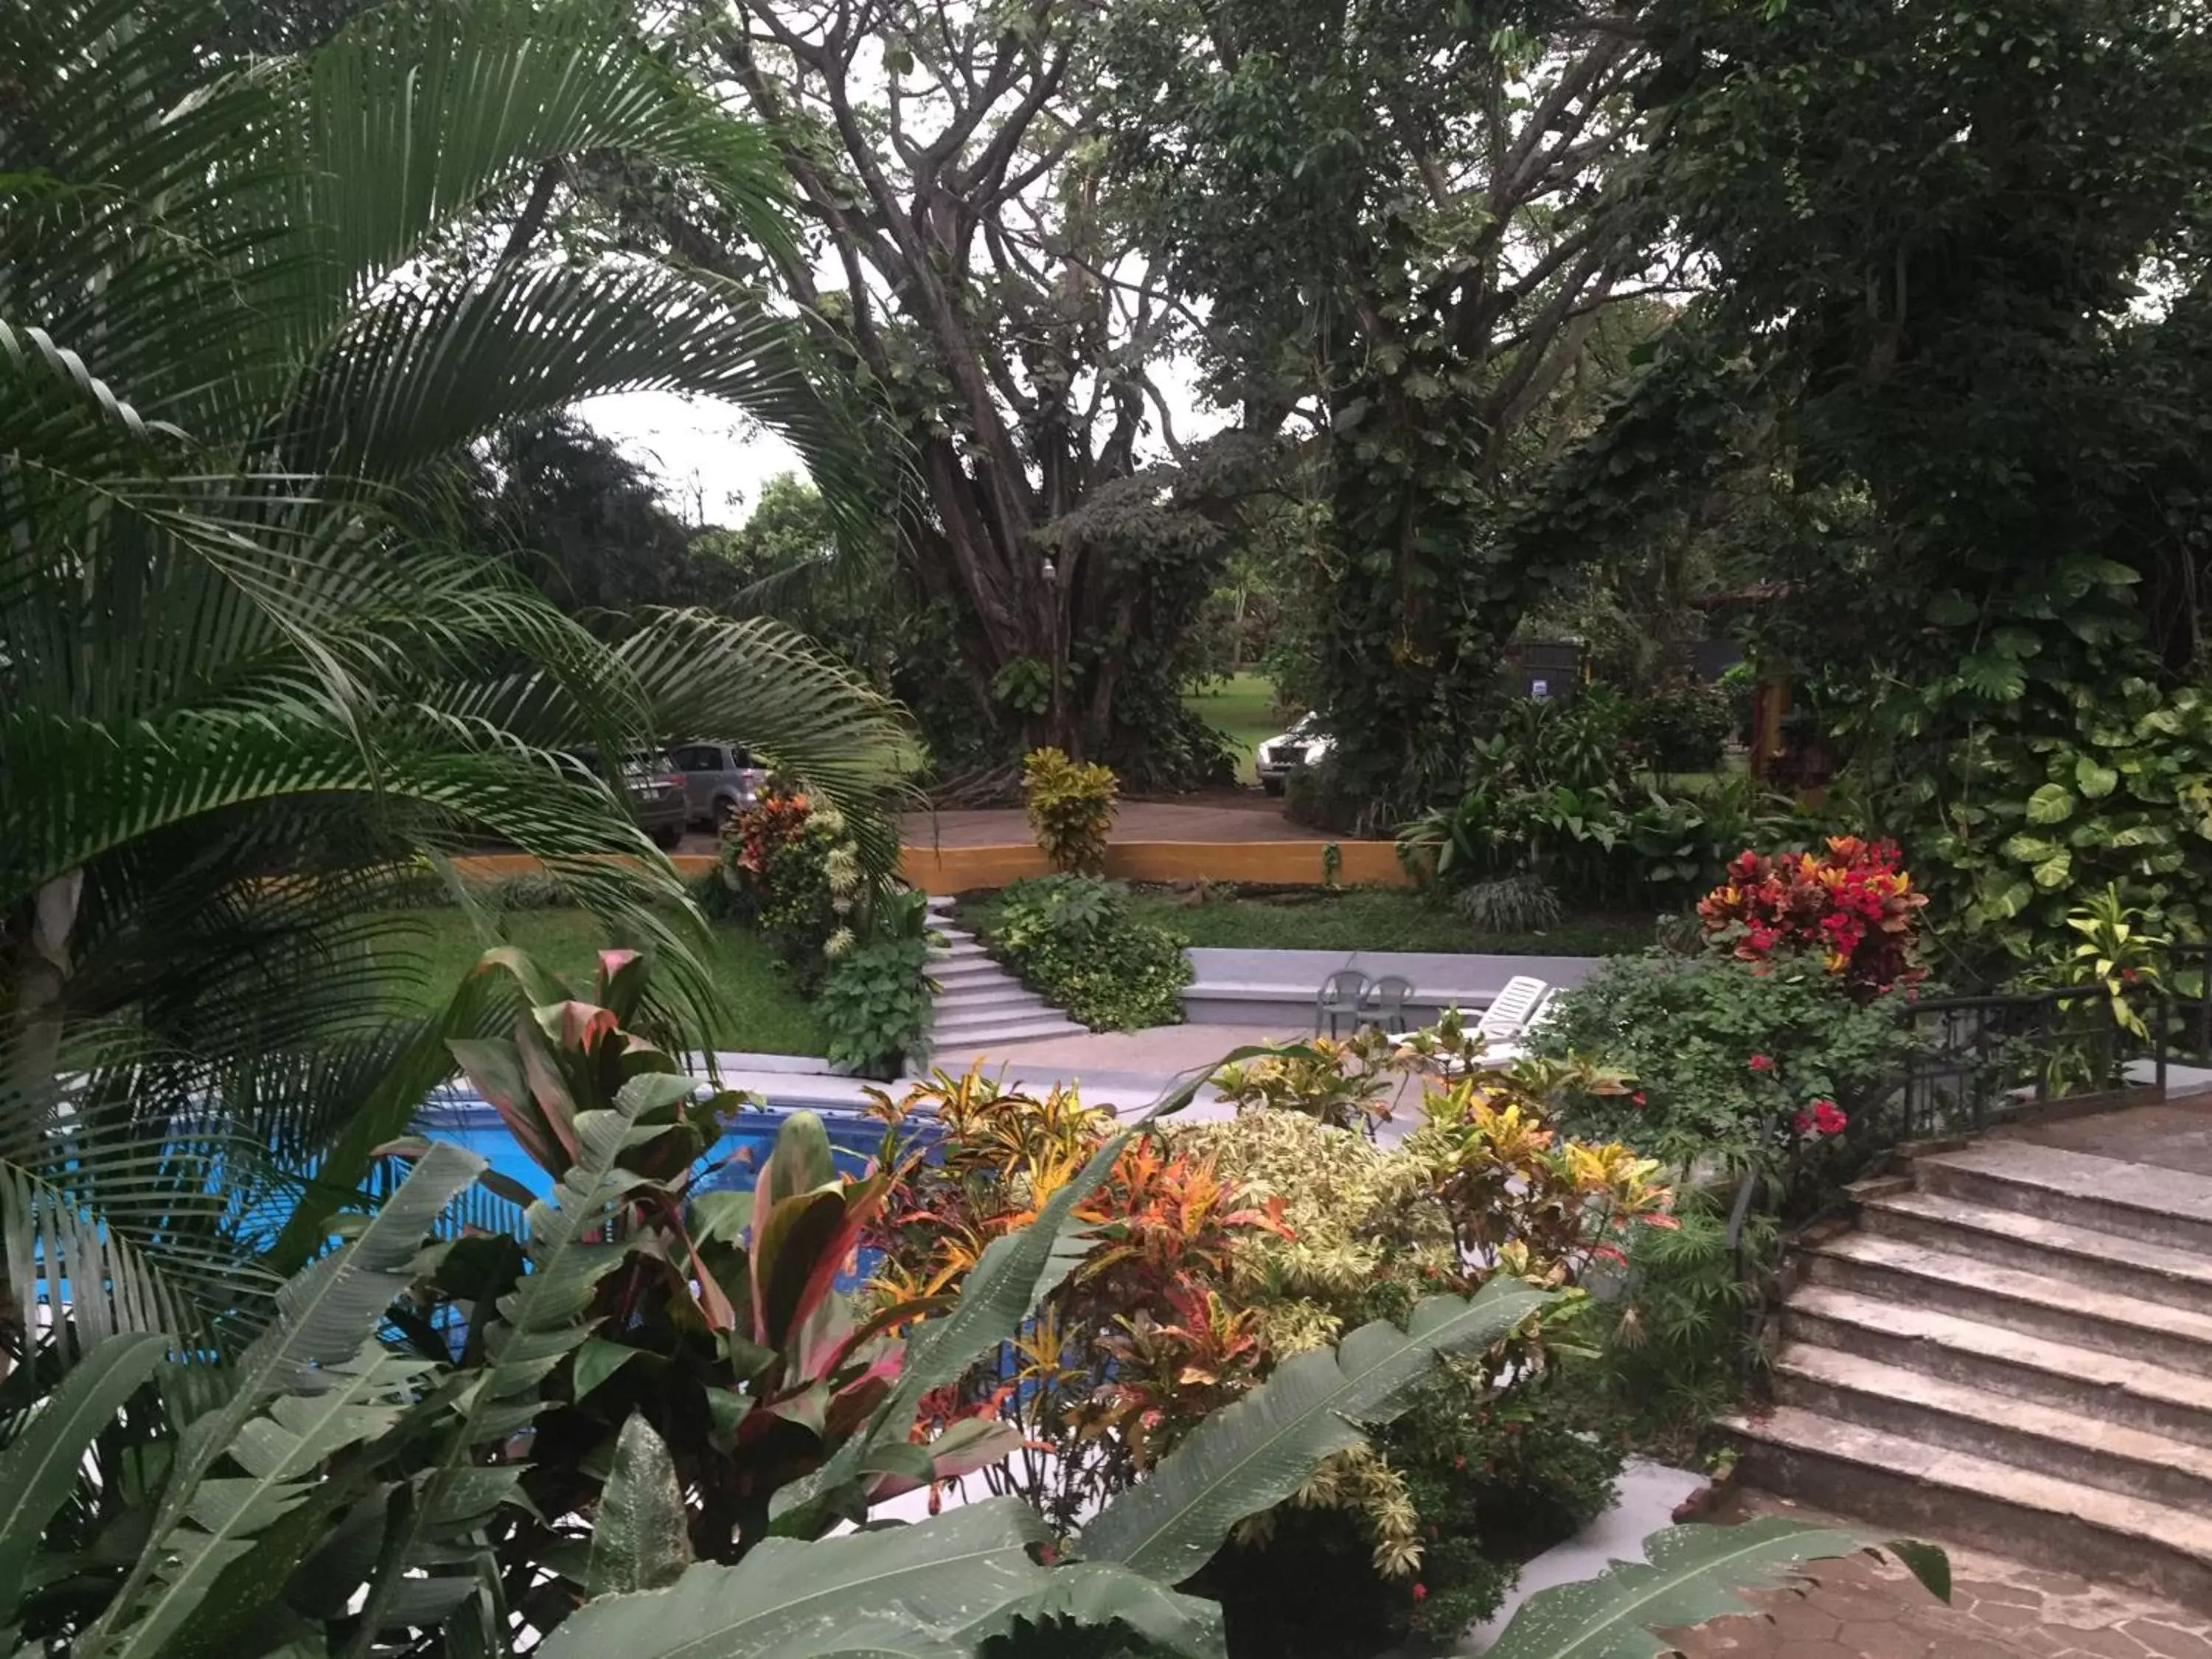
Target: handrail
x,y
1953,1086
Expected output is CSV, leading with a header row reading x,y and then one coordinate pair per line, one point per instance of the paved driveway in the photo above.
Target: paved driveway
x,y
1223,814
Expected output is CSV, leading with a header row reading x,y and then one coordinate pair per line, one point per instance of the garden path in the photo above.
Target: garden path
x,y
979,1004
1861,1608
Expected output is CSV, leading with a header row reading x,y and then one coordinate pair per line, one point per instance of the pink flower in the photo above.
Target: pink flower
x,y
1420,1592
1640,1098
1762,1062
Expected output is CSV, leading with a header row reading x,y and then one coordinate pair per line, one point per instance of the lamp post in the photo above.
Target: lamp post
x,y
1056,665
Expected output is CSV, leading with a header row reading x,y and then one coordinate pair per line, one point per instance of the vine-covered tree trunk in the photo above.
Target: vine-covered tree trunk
x,y
958,264
1439,246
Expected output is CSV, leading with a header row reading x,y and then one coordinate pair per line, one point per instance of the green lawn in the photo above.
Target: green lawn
x,y
761,1012
1375,919
1241,707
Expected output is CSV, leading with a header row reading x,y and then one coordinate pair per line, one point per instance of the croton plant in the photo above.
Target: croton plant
x,y
1850,903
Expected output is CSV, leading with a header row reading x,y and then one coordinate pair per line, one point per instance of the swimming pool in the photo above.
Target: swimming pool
x,y
733,1164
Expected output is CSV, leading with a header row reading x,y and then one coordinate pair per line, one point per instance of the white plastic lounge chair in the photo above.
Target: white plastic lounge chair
x,y
1516,1011
1513,1009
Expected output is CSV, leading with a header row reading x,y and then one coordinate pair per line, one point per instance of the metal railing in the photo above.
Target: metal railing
x,y
1979,1059
2187,1032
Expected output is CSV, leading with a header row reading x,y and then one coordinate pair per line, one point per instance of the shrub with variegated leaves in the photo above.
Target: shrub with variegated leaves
x,y
1849,904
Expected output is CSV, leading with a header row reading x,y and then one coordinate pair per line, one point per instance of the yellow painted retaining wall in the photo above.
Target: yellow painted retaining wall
x,y
984,869
1272,863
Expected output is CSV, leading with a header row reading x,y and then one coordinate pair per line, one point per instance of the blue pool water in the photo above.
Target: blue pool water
x,y
732,1165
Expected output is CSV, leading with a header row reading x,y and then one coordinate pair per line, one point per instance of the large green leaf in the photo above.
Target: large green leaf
x,y
1257,1452
323,1315
535,1327
41,1465
1995,676
2095,779
281,1453
640,1540
1691,1574
931,1591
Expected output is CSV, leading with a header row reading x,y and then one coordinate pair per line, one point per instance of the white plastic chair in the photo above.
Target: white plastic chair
x,y
1501,1051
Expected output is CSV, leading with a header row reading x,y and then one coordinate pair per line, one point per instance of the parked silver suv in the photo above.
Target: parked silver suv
x,y
720,781
655,789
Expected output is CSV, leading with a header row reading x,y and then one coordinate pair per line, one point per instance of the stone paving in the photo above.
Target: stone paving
x,y
2176,1134
1861,1608
1158,1052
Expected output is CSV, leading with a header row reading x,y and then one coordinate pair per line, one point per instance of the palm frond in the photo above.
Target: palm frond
x,y
436,363
758,683
417,114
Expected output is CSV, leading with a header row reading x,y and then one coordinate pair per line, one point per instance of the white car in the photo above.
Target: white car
x,y
1304,744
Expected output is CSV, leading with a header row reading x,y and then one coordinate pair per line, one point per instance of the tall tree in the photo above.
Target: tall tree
x,y
958,260
1396,213
1960,291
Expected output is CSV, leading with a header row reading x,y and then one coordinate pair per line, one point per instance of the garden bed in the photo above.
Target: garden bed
x,y
1365,919
761,1010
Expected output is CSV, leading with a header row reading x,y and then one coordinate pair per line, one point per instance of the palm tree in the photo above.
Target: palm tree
x,y
251,311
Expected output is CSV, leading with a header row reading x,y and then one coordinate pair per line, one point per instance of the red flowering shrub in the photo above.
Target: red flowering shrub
x,y
1851,905
1825,1118
755,836
789,866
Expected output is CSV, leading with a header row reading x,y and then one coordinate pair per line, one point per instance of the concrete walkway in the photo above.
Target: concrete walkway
x,y
1239,987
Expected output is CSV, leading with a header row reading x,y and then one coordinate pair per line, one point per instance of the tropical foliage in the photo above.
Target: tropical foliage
x,y
1849,905
1212,1265
702,1404
294,302
250,315
1071,810
878,999
1730,1063
1073,940
789,866
1942,431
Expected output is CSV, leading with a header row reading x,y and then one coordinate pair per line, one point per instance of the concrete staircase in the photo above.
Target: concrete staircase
x,y
2013,1353
980,1005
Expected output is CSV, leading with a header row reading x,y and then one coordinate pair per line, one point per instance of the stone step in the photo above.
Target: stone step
x,y
1910,1488
1893,1271
962,951
2057,1249
2086,1381
2168,1207
985,999
965,1045
964,969
1957,1417
990,1025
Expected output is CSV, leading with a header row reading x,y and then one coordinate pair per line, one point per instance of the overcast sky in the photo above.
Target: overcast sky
x,y
710,460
